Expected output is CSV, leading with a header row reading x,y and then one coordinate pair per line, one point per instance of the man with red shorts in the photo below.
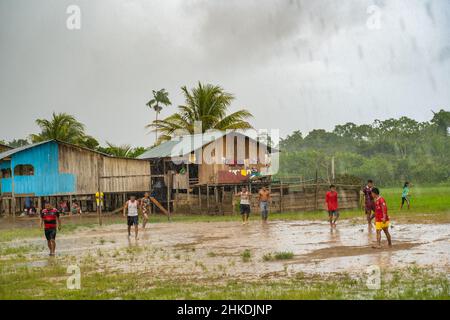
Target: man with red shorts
x,y
381,218
369,205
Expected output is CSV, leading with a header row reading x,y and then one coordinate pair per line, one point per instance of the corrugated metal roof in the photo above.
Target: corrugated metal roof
x,y
9,153
183,145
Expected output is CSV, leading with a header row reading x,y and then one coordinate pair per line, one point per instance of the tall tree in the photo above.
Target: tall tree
x,y
63,127
160,99
15,143
441,120
208,104
118,151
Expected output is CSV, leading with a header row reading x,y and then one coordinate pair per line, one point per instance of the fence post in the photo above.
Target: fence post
x,y
316,191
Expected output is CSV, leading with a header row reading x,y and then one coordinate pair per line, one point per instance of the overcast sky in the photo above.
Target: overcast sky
x,y
296,65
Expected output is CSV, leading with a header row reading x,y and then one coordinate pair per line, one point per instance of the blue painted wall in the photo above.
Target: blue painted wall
x,y
5,182
46,180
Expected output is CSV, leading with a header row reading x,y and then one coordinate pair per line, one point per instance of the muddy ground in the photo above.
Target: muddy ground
x,y
204,249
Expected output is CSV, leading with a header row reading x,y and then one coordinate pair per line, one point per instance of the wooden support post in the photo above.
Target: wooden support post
x,y
169,189
13,200
221,201
316,191
281,197
175,202
207,198
70,205
216,196
200,198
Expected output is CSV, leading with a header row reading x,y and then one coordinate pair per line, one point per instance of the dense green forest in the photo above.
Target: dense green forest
x,y
389,151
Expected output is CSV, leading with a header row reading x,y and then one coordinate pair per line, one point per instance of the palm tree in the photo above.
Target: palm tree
x,y
208,104
62,126
160,98
118,151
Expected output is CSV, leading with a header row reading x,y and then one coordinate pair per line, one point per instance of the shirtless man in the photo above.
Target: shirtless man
x,y
264,198
145,207
369,203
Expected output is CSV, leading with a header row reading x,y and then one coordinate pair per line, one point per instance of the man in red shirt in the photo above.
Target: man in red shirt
x,y
381,217
50,221
331,200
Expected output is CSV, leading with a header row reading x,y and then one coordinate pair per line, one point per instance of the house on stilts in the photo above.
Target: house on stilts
x,y
57,171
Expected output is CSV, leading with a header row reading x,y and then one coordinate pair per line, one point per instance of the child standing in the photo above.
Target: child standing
x,y
405,195
331,200
381,217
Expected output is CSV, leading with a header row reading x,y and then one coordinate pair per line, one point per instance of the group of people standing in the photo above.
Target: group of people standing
x,y
375,207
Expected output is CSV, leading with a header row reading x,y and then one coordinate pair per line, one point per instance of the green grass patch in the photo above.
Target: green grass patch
x,y
283,255
246,255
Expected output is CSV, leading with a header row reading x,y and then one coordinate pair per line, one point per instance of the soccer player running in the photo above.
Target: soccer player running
x,y
405,195
369,205
50,221
244,204
130,210
331,200
145,207
264,198
381,218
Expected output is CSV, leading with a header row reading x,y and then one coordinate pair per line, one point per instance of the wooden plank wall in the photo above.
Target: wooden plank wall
x,y
298,200
119,175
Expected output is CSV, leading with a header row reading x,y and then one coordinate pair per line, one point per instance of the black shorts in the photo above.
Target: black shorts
x,y
134,220
405,199
245,208
333,213
50,234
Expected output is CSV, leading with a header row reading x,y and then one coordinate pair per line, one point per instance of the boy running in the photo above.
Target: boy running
x,y
50,221
331,200
405,195
369,204
244,205
381,218
145,207
264,198
132,206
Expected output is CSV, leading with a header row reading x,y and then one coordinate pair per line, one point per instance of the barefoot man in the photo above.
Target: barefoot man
x,y
244,204
145,207
331,202
132,206
264,198
381,218
50,221
368,202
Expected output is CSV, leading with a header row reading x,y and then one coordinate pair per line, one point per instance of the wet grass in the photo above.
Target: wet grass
x,y
33,283
273,256
246,255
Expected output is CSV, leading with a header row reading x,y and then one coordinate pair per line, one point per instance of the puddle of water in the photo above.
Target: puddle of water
x,y
215,248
